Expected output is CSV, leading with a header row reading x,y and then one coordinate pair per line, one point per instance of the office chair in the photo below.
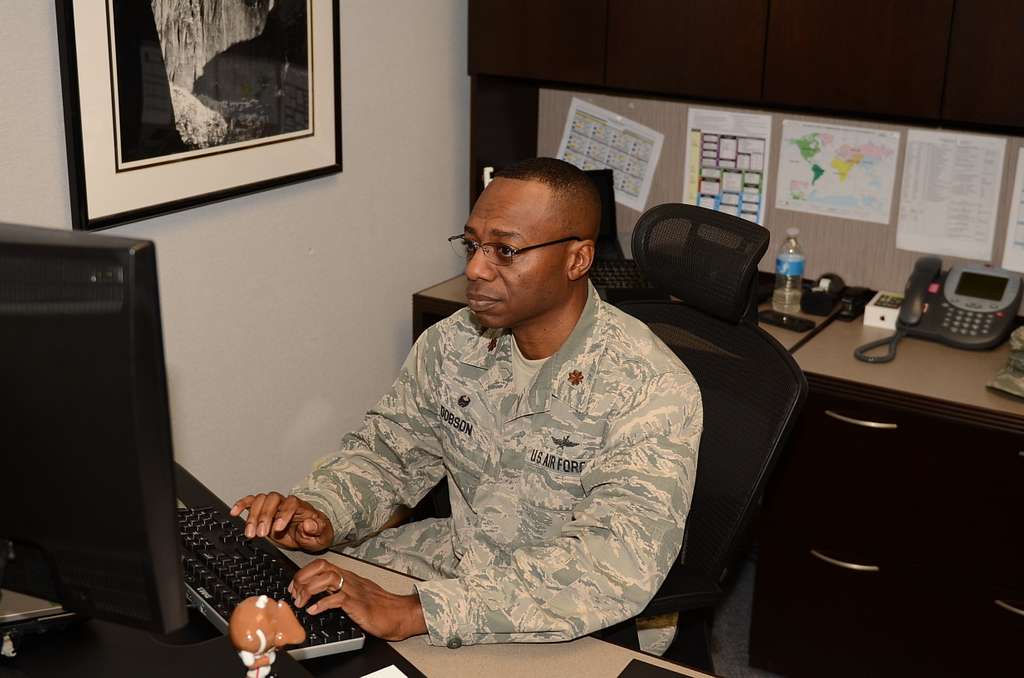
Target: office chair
x,y
752,391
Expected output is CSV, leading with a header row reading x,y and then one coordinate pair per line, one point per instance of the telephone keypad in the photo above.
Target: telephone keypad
x,y
962,321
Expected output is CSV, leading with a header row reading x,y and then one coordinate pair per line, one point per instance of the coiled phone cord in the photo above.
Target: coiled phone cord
x,y
861,352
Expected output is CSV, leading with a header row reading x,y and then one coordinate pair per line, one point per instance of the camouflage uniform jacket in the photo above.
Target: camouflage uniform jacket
x,y
568,504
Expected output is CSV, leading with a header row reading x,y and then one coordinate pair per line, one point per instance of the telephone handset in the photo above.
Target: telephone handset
x,y
926,270
970,307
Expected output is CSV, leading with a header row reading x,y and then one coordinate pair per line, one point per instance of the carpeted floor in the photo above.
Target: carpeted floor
x,y
730,636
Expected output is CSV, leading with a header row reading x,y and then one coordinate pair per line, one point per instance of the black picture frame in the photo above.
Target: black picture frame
x,y
119,174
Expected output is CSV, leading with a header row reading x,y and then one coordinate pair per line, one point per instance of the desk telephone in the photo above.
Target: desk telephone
x,y
970,307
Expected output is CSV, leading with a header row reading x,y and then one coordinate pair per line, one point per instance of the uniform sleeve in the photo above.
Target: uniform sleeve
x,y
611,555
393,459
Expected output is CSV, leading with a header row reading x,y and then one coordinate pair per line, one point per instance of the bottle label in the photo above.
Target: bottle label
x,y
789,266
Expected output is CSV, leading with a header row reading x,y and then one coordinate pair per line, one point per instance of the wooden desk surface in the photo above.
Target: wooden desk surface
x,y
581,657
454,290
921,368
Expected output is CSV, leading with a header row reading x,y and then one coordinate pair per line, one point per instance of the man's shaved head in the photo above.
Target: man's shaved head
x,y
575,197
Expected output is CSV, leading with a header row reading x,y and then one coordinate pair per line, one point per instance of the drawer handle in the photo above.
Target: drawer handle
x,y
857,567
860,422
1006,606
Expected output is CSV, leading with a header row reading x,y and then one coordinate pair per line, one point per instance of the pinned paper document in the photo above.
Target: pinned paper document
x,y
596,138
726,157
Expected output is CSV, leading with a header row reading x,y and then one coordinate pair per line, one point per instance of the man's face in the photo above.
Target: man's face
x,y
518,214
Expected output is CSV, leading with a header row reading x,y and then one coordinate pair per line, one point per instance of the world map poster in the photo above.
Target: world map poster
x,y
837,171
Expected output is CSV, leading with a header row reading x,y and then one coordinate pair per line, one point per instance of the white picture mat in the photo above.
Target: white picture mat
x,y
110,192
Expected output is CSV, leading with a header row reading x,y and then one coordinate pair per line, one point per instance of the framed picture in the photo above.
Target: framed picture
x,y
170,104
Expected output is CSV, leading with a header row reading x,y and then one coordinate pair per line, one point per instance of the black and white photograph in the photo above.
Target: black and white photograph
x,y
213,75
171,104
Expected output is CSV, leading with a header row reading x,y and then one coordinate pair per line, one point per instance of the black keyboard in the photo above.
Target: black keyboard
x,y
223,568
617,274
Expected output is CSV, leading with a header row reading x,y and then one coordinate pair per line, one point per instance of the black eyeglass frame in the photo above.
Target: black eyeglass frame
x,y
516,251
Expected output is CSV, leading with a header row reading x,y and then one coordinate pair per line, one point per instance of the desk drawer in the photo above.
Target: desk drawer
x,y
813,618
839,480
815,615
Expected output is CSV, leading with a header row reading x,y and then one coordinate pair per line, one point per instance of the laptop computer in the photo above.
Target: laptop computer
x,y
22,615
17,607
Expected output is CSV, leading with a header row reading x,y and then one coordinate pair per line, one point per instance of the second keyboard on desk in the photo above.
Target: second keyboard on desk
x,y
223,568
617,274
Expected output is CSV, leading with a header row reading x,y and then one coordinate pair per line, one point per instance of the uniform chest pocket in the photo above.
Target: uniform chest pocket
x,y
551,480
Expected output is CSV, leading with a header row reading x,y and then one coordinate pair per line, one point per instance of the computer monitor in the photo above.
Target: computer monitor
x,y
87,499
607,245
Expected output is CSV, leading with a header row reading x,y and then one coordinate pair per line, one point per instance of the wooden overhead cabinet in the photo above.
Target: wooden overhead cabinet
x,y
878,57
986,64
561,41
696,48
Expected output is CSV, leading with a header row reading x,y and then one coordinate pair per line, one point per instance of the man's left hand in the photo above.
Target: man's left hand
x,y
378,612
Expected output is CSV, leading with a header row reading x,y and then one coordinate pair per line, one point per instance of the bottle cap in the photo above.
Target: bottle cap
x,y
792,231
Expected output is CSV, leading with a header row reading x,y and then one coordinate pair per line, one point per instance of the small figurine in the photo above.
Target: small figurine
x,y
258,626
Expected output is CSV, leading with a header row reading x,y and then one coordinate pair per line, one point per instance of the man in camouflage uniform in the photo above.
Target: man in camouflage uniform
x,y
566,430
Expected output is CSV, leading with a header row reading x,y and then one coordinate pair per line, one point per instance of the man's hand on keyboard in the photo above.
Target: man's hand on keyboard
x,y
380,613
289,521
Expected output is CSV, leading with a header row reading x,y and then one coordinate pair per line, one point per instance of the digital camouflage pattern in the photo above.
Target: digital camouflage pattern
x,y
1011,377
568,504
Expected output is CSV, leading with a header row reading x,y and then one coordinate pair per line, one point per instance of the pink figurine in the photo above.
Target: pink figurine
x,y
258,626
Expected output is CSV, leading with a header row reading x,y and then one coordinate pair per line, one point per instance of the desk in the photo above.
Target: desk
x,y
890,541
582,657
441,300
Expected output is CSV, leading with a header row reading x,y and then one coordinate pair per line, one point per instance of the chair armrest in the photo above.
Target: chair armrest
x,y
684,591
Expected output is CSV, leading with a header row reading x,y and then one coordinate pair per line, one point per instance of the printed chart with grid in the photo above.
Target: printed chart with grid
x,y
731,173
599,139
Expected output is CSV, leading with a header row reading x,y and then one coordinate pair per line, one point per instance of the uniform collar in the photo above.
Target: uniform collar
x,y
568,375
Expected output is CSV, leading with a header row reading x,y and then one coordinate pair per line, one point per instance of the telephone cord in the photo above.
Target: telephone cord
x,y
861,352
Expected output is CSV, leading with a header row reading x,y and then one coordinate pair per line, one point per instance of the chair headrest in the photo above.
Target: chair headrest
x,y
706,259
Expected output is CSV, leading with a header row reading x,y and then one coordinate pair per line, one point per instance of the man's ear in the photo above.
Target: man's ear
x,y
581,256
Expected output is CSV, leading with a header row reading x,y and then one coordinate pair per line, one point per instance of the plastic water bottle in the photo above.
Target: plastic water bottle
x,y
789,273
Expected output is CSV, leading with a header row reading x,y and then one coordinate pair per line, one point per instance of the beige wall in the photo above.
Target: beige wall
x,y
287,313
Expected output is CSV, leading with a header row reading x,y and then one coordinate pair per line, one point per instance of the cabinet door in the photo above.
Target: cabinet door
x,y
502,126
962,506
811,618
986,63
689,47
948,632
838,481
562,41
873,56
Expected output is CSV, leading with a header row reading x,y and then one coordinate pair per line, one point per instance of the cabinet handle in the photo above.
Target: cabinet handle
x,y
860,422
842,563
1006,606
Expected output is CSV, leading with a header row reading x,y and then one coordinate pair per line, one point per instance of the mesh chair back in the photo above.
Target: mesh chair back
x,y
705,258
750,385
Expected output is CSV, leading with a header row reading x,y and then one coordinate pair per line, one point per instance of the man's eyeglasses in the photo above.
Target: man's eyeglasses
x,y
496,252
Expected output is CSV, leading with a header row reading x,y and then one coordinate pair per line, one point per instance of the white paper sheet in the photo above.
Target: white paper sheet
x,y
596,138
718,140
1013,253
386,672
950,193
837,171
